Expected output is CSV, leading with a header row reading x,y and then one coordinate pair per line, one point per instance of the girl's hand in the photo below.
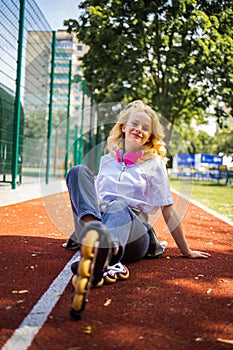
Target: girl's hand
x,y
196,254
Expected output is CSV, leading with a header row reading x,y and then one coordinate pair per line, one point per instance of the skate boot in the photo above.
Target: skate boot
x,y
95,256
116,272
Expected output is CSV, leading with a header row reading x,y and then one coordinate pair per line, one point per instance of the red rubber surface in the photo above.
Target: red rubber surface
x,y
169,303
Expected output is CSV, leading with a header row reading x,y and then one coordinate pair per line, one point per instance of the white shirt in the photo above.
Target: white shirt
x,y
143,186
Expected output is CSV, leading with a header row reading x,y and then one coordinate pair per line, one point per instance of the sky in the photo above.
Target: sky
x,y
56,11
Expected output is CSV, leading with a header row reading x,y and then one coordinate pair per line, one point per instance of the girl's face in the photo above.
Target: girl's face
x,y
137,129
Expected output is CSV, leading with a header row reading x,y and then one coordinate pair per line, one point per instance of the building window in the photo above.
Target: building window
x,y
66,44
63,55
60,76
62,65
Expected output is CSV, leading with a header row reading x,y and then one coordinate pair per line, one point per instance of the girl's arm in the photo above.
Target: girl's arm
x,y
173,222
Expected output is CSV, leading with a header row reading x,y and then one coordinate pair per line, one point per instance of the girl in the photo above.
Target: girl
x,y
132,183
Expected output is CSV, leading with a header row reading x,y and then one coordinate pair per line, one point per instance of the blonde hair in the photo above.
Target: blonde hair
x,y
154,147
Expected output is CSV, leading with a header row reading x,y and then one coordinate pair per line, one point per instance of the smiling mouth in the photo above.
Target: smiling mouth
x,y
136,135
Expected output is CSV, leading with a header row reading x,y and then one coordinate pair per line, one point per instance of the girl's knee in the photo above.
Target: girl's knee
x,y
78,171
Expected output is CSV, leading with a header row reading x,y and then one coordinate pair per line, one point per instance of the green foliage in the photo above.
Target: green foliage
x,y
223,141
189,140
176,55
35,125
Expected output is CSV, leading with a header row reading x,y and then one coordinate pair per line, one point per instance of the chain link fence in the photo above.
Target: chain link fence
x,y
43,125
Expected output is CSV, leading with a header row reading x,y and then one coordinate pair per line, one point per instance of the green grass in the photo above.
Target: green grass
x,y
214,196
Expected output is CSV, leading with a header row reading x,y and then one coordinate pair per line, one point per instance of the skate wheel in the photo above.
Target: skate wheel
x,y
84,268
74,279
78,302
125,275
81,285
109,279
100,283
88,244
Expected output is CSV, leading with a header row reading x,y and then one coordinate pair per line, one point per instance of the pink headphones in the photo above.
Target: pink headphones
x,y
128,157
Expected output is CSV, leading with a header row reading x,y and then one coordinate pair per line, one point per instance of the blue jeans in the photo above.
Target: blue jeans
x,y
123,225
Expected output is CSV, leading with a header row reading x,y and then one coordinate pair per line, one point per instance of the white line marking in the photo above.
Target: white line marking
x,y
23,336
210,211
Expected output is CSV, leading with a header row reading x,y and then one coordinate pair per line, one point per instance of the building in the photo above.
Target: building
x,y
37,71
68,48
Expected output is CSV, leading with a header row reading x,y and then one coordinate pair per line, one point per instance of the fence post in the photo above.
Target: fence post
x,y
50,121
79,79
68,121
17,110
91,124
83,82
75,144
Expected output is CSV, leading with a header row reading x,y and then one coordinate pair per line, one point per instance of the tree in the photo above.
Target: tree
x,y
190,140
223,140
35,125
176,55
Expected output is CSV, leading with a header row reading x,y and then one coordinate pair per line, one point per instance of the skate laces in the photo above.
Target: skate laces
x,y
115,269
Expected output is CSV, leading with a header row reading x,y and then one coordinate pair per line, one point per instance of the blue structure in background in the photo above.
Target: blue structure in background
x,y
202,167
195,160
187,160
211,159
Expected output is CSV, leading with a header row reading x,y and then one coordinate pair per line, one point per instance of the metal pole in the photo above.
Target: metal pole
x,y
75,144
50,121
98,137
55,155
68,121
17,111
91,125
83,82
